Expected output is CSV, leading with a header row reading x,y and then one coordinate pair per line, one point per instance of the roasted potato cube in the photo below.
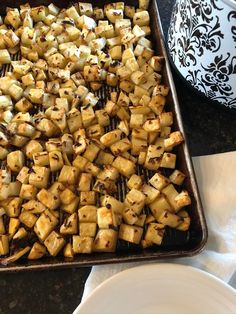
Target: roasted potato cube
x,y
150,218
55,160
45,224
13,207
11,39
159,181
153,158
170,193
5,191
160,89
80,162
116,54
182,199
105,241
177,177
67,196
98,14
159,206
56,188
155,233
135,200
54,243
142,158
131,234
25,129
140,134
68,175
184,225
112,79
121,146
135,182
156,62
48,199
15,160
165,132
111,137
13,17
80,144
85,9
104,158
129,216
150,193
71,208
87,198
92,168
109,173
3,153
37,251
175,138
28,191
88,115
5,101
53,144
85,181
41,159
33,147
87,229
87,213
102,117
70,225
152,125
68,250
166,119
72,13
28,219
157,104
91,152
74,120
111,108
169,219
36,95
95,131
123,114
14,188
4,56
168,160
129,11
105,218
112,203
34,207
138,145
23,175
124,166
39,177
38,13
141,220
4,244
82,244
13,227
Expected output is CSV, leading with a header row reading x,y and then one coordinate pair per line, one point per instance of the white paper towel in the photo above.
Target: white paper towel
x,y
216,178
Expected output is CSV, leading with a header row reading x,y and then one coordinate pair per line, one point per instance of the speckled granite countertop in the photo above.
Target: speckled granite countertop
x,y
209,130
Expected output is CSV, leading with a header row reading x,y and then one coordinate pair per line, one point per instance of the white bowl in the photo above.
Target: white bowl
x,y
202,46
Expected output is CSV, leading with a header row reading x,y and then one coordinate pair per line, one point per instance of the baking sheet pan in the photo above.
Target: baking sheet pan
x,y
176,243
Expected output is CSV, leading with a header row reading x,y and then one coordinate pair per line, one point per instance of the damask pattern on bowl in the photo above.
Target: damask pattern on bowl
x,y
202,45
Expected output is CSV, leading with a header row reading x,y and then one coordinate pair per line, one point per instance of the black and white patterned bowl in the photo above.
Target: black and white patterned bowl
x,y
202,46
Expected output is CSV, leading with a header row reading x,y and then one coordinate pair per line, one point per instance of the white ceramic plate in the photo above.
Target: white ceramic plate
x,y
163,289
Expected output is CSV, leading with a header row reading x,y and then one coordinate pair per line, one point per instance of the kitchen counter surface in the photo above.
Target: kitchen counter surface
x,y
209,129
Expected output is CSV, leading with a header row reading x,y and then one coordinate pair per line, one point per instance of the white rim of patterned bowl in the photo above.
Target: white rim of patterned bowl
x,y
231,3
